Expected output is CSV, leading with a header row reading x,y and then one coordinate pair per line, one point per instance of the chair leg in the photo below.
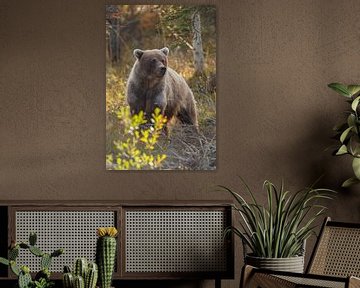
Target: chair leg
x,y
217,283
246,273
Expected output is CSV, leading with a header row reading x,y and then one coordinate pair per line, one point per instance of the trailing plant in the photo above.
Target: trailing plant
x,y
84,275
106,254
280,228
42,278
348,132
137,148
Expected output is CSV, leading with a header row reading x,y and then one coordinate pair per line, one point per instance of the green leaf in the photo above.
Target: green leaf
x,y
345,134
340,88
354,145
32,238
14,268
36,251
356,167
4,261
349,182
13,253
355,103
353,89
342,150
279,228
351,120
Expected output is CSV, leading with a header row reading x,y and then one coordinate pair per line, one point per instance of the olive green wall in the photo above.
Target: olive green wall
x,y
275,113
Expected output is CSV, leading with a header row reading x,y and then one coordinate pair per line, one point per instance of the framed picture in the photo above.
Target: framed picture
x,y
160,87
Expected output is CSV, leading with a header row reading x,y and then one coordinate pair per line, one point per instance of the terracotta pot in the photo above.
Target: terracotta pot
x,y
291,264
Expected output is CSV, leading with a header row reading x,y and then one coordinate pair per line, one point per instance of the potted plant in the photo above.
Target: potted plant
x,y
42,278
275,233
84,274
348,132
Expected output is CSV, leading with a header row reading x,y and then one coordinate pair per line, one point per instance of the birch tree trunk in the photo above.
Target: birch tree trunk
x,y
197,44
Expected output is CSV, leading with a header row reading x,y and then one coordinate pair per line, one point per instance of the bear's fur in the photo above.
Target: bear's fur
x,y
152,84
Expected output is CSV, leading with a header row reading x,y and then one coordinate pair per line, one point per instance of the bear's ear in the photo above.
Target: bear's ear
x,y
165,50
138,53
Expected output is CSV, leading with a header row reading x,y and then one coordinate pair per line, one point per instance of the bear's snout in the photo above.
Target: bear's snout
x,y
163,70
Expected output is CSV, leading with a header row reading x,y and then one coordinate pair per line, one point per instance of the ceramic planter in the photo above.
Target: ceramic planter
x,y
291,264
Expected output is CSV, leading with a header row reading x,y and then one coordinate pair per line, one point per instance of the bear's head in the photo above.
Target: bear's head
x,y
152,63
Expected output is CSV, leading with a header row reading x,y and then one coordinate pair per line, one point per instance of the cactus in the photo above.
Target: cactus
x,y
13,253
4,261
44,273
24,246
36,251
79,282
87,272
14,268
68,280
45,261
32,238
80,268
67,269
24,278
57,252
105,254
91,276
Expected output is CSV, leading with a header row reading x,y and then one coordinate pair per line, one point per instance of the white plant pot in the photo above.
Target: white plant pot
x,y
291,264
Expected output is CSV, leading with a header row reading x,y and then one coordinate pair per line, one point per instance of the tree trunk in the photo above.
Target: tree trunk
x,y
197,44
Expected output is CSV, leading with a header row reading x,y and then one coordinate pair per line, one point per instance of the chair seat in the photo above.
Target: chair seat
x,y
268,279
315,282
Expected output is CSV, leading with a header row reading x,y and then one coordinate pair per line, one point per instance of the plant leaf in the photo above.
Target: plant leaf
x,y
279,228
356,167
4,261
340,88
349,182
355,103
353,89
345,134
342,150
351,120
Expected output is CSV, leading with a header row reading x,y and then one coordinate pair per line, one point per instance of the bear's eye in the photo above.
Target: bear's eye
x,y
153,60
163,61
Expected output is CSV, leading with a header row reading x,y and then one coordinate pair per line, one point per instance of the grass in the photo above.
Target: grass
x,y
185,149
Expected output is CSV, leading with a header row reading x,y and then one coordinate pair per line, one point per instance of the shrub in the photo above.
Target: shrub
x,y
137,150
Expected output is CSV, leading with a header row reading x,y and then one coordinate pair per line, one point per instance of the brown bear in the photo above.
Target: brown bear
x,y
152,84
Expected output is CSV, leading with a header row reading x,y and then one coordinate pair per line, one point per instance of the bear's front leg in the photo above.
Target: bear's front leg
x,y
157,101
136,104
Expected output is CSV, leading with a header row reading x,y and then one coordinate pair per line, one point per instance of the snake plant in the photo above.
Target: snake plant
x,y
279,228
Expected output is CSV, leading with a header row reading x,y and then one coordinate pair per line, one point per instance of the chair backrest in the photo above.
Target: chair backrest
x,y
337,251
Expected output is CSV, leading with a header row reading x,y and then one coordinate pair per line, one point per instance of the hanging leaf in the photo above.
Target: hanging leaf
x,y
340,88
355,103
342,150
356,167
349,182
354,145
345,134
353,89
4,261
351,120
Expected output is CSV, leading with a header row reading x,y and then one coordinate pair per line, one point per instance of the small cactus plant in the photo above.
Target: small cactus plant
x,y
42,278
85,275
106,254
